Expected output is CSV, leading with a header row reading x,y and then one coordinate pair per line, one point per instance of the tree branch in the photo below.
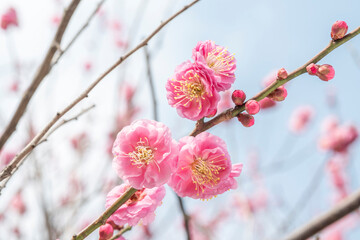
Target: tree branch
x,y
121,232
41,73
45,138
76,36
11,168
233,112
102,219
348,205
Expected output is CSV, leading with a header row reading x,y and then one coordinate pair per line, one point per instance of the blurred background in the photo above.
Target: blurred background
x,y
291,172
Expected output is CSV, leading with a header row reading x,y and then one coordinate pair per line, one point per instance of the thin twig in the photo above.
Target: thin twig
x,y
186,218
155,115
102,219
233,112
65,121
46,137
151,83
76,36
120,233
304,198
42,71
346,206
11,168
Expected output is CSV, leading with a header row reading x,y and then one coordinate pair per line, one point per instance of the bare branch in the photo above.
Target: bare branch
x,y
41,73
76,36
348,205
46,137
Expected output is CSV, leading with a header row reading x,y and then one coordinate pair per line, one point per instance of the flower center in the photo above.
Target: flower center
x,y
189,88
220,60
206,171
143,154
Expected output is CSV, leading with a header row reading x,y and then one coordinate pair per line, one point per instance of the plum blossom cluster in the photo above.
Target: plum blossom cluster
x,y
301,118
194,88
146,157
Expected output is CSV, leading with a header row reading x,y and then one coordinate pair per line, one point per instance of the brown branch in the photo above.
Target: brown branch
x,y
76,36
10,169
348,205
120,233
41,73
102,219
186,218
45,138
233,112
151,83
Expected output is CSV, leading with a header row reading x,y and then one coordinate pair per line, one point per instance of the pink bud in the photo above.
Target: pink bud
x,y
246,119
282,73
106,231
312,68
238,97
278,94
267,103
212,113
326,72
252,107
338,30
9,18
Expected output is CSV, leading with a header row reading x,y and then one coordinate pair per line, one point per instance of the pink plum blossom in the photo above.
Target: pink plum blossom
x,y
204,167
238,97
221,62
312,69
338,30
326,72
191,91
140,207
105,231
145,154
300,118
9,18
246,119
282,73
252,107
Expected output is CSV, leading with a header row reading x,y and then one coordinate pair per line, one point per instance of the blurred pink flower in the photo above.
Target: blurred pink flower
x,y
204,168
219,60
300,118
9,18
338,138
191,91
145,154
141,206
18,204
267,103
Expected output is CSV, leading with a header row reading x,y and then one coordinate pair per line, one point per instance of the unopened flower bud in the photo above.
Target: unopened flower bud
x,y
326,72
252,107
312,69
338,30
278,94
238,97
212,113
282,73
106,232
267,103
246,119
